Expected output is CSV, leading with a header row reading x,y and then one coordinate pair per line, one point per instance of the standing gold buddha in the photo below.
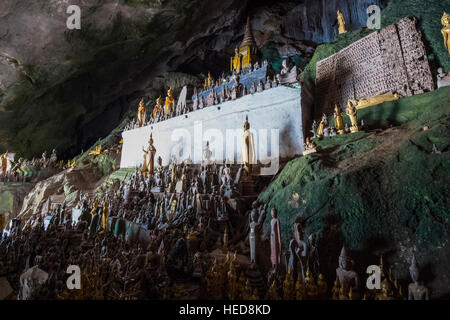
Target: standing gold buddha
x,y
338,120
141,113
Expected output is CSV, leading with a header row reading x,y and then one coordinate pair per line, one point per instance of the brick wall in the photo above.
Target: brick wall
x,y
392,59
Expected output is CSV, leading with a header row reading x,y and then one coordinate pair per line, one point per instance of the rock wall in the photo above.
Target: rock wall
x,y
317,20
392,59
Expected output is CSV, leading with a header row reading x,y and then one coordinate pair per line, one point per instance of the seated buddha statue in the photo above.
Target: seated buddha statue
x,y
170,103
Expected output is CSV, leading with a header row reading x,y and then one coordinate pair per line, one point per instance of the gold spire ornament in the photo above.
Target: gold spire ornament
x,y
4,162
341,22
445,20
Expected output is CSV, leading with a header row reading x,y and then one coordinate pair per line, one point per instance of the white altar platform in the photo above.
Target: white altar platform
x,y
275,118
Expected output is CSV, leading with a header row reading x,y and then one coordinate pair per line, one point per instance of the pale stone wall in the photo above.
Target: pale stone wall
x,y
275,110
392,59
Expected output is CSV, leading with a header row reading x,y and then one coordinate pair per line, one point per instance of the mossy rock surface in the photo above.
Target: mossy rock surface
x,y
379,192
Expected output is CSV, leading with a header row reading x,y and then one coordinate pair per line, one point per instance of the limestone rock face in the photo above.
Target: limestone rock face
x,y
66,88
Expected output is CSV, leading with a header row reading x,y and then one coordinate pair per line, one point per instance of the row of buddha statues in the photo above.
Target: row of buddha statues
x,y
163,112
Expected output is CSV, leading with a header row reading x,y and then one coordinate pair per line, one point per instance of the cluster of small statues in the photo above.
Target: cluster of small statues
x,y
26,170
323,129
169,110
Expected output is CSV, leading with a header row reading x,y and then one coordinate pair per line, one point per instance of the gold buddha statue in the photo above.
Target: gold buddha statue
x,y
288,286
158,109
232,283
311,287
374,100
173,209
2,221
142,112
300,288
240,287
445,20
96,151
192,233
273,291
105,216
170,102
387,292
247,292
94,207
150,151
352,113
321,127
343,294
322,287
247,54
225,240
144,167
336,289
338,120
248,148
341,22
255,295
209,80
